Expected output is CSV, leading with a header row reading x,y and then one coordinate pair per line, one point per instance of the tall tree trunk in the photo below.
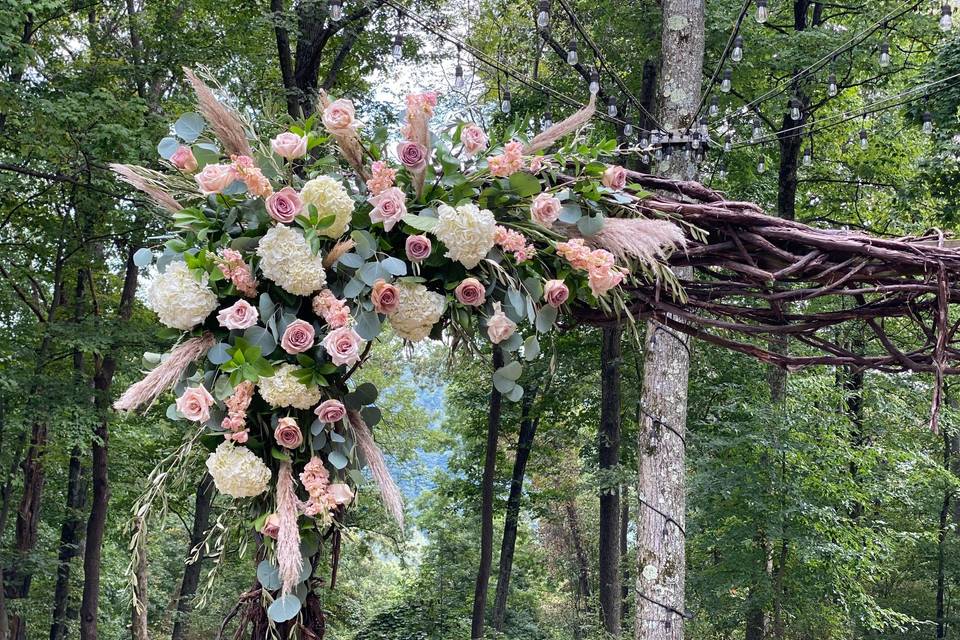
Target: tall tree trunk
x,y
96,524
477,622
70,537
661,482
580,555
528,428
609,455
194,562
624,553
942,530
138,611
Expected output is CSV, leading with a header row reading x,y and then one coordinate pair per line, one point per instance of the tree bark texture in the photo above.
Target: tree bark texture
x,y
477,623
661,477
609,455
582,561
528,428
138,613
70,538
192,567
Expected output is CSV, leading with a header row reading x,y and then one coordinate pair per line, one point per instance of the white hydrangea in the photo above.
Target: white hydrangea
x,y
418,310
330,198
467,231
178,298
237,471
286,258
284,390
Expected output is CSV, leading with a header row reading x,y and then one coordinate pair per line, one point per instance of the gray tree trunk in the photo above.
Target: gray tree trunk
x,y
661,486
609,454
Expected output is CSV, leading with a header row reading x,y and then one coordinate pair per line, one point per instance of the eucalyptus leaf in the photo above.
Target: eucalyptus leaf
x,y
351,260
371,415
570,213
531,348
143,257
337,459
590,225
502,384
515,394
167,147
367,325
218,353
235,189
394,266
189,126
421,222
269,575
546,316
284,608
367,393
261,337
353,288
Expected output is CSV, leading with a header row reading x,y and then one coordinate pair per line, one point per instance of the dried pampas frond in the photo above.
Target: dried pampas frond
x,y
338,250
224,121
638,239
563,128
148,181
289,560
389,492
165,375
349,143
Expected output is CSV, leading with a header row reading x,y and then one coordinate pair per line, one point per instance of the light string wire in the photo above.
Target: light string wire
x,y
602,62
829,122
497,65
723,58
821,62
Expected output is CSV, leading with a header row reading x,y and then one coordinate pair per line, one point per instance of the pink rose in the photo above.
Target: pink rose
x,y
240,315
388,207
184,159
615,177
602,279
470,292
287,434
341,493
215,178
555,293
297,337
271,526
289,145
339,116
195,404
385,297
418,248
413,155
499,326
330,411
284,205
343,345
545,209
474,139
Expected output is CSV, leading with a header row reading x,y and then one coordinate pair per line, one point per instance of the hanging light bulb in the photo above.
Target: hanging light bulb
x,y
762,165
808,155
398,47
728,142
644,138
594,82
658,154
688,151
572,52
762,12
946,17
695,142
714,106
543,14
832,85
884,54
737,54
612,107
757,129
628,129
864,142
727,83
335,7
795,114
547,120
927,122
458,77
505,102
704,127
722,172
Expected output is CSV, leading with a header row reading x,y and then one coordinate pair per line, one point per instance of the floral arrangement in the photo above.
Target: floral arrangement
x,y
283,267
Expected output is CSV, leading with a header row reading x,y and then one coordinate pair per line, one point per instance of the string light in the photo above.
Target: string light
x,y
737,54
864,141
611,106
628,129
572,57
884,54
946,17
832,85
795,114
335,7
722,171
505,102
727,83
762,164
397,47
594,81
704,127
757,129
644,138
543,15
927,122
762,12
695,142
714,106
808,154
728,142
547,120
458,72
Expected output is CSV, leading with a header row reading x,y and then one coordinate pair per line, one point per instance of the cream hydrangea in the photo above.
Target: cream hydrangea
x,y
178,298
237,471
286,258
467,231
417,311
282,389
330,198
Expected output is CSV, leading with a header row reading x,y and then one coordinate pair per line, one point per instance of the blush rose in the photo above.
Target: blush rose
x,y
184,159
215,178
385,297
297,337
343,346
284,205
470,292
500,327
555,293
289,145
413,155
614,177
389,206
474,139
194,404
240,315
330,411
287,434
545,209
418,248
